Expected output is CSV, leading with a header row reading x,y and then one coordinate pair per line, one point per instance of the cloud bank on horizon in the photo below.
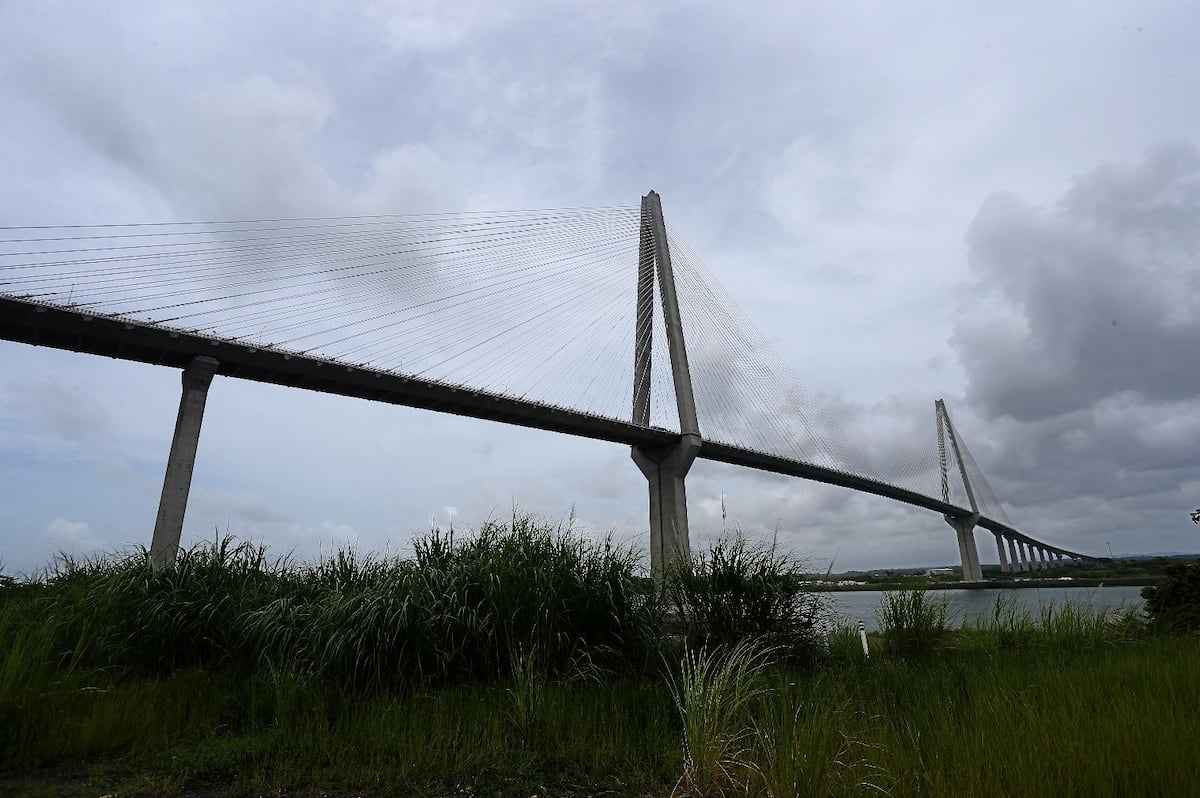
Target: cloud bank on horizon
x,y
999,207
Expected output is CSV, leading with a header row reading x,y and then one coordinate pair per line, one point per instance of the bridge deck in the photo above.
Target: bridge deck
x,y
46,325
63,328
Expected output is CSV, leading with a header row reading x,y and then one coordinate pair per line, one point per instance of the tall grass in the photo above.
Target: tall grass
x,y
524,658
913,622
738,591
712,692
1100,722
461,610
456,610
1064,625
125,612
808,742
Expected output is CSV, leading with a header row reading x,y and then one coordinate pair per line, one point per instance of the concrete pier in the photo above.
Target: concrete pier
x,y
177,481
665,470
965,529
1013,558
1004,568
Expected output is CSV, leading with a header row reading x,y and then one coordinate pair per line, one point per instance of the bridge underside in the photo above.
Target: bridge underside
x,y
58,328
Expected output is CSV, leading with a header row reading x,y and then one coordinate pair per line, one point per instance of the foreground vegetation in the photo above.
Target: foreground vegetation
x,y
526,660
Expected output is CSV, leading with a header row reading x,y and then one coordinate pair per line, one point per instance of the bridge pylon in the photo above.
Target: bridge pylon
x,y
665,468
964,526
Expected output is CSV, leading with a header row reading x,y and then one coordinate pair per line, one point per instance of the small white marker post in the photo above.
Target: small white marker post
x,y
862,635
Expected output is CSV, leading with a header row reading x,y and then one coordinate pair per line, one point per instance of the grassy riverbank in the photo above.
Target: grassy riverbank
x,y
526,661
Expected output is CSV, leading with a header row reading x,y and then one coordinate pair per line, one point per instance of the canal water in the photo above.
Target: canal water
x,y
852,607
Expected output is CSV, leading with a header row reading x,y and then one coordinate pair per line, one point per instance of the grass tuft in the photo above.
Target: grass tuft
x,y
713,691
740,590
913,623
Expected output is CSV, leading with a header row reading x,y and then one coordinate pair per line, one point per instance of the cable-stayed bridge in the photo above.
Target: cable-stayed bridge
x,y
596,322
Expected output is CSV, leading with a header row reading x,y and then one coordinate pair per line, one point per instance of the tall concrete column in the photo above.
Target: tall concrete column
x,y
1044,560
965,529
1000,552
1014,558
666,468
178,478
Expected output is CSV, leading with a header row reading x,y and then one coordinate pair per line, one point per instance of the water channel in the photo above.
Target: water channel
x,y
852,606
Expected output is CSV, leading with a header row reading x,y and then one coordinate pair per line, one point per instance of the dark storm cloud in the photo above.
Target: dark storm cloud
x,y
1096,297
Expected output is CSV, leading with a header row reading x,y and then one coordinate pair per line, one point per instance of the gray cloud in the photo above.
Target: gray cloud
x,y
235,505
1096,297
69,411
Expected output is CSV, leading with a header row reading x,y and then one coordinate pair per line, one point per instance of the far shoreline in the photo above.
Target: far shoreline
x,y
1004,585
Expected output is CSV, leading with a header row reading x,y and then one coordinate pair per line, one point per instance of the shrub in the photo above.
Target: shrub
x,y
1173,605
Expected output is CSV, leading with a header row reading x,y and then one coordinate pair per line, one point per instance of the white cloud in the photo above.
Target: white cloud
x,y
71,537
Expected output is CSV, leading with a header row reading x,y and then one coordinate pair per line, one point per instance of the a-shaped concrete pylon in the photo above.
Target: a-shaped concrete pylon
x,y
964,526
665,468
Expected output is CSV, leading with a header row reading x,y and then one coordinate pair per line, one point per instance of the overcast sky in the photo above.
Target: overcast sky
x,y
998,204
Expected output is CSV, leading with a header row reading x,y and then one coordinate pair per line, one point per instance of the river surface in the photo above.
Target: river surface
x,y
854,606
